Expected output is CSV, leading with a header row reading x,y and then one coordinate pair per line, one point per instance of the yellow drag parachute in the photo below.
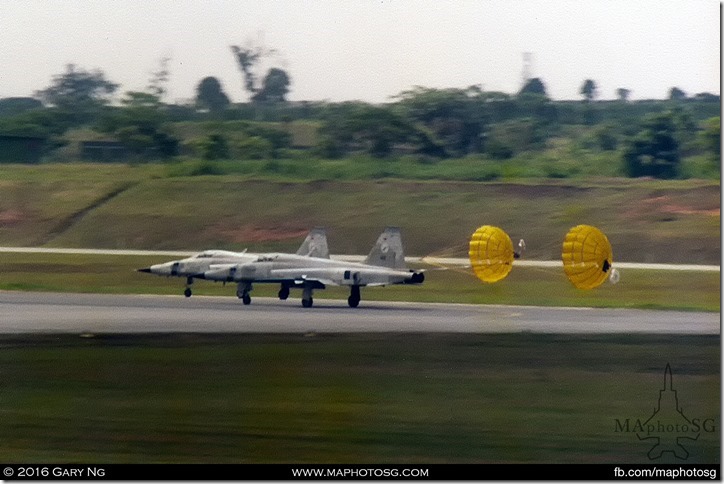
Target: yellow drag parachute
x,y
491,253
587,257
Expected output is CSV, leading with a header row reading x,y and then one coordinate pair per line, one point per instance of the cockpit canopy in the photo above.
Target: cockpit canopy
x,y
208,254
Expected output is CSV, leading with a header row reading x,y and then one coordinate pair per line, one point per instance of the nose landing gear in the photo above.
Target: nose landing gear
x,y
242,292
187,291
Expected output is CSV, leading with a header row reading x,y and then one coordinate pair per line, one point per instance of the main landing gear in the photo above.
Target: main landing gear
x,y
354,297
307,299
307,291
187,291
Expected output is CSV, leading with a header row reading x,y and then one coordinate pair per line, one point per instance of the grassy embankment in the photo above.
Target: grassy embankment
x,y
141,207
349,398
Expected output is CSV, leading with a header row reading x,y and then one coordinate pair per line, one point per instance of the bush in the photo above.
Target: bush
x,y
214,147
654,151
254,148
498,150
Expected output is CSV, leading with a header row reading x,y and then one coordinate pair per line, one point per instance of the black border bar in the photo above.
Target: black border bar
x,y
338,472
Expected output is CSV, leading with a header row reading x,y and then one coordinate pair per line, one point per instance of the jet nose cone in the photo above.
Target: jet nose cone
x,y
145,269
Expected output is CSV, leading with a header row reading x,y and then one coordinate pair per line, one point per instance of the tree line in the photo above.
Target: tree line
x,y
433,124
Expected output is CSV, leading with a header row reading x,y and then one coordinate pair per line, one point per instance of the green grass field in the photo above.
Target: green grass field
x,y
372,398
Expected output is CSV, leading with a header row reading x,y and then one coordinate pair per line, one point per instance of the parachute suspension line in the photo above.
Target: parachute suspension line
x,y
435,262
437,259
453,251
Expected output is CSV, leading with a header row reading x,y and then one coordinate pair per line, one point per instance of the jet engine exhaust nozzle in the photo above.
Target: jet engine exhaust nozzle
x,y
417,278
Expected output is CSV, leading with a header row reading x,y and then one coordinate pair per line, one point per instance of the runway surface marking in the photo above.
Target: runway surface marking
x,y
33,312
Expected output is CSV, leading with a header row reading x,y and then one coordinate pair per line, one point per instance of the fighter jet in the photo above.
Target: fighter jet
x,y
385,265
314,245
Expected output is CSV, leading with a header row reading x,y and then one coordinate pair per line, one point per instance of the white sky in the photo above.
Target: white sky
x,y
369,50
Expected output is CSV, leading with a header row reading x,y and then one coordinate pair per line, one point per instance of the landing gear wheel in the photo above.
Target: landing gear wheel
x,y
187,292
307,303
246,299
354,297
283,293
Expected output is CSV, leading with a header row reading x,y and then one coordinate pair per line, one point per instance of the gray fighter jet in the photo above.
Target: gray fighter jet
x,y
385,265
314,245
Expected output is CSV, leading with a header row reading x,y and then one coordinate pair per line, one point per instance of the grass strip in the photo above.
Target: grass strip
x,y
353,398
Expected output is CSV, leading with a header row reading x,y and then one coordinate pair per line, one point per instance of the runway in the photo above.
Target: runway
x,y
437,261
33,312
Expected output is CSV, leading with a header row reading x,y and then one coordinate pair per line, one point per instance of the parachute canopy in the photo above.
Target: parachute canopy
x,y
491,253
587,256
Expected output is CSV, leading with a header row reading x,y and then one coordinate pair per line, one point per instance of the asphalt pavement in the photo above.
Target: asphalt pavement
x,y
35,312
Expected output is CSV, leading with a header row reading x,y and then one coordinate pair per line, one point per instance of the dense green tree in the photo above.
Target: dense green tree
x,y
138,99
247,58
532,101
606,137
707,97
12,106
589,90
454,119
515,136
676,94
254,148
686,127
364,128
78,89
215,147
623,94
159,79
140,125
42,123
274,87
711,136
534,86
537,106
499,106
276,137
210,95
654,151
275,84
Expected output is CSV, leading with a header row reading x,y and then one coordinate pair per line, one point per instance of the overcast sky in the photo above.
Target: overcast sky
x,y
369,50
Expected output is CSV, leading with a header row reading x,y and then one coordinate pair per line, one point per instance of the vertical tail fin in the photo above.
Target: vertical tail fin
x,y
315,245
387,251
